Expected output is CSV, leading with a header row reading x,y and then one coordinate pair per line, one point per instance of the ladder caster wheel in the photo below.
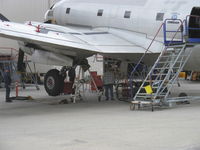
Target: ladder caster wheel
x,y
132,107
139,106
99,98
72,99
37,87
152,109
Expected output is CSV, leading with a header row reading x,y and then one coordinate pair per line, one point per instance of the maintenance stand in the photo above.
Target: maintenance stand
x,y
155,89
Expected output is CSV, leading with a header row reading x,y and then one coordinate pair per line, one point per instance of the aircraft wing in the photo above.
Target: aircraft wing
x,y
77,41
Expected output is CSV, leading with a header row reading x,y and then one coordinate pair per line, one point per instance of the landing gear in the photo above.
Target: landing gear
x,y
54,79
53,82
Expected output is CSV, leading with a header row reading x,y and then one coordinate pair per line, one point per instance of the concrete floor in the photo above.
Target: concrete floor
x,y
42,124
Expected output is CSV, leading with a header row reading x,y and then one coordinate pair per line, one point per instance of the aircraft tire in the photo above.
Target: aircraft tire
x,y
53,82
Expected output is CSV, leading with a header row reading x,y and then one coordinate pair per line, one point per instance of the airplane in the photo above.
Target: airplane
x,y
77,29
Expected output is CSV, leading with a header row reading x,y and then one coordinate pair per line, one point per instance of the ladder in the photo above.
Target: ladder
x,y
156,87
163,75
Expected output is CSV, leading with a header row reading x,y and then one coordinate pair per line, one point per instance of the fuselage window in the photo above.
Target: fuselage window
x,y
68,10
127,14
100,12
160,16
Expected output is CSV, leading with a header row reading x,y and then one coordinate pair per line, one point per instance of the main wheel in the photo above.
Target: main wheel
x,y
53,82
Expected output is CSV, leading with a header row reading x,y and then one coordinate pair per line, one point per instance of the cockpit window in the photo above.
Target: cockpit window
x,y
68,10
127,14
100,12
160,16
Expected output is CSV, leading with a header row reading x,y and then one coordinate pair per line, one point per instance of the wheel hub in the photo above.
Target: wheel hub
x,y
50,83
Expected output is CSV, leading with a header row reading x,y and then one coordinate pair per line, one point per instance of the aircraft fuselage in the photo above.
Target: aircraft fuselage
x,y
140,16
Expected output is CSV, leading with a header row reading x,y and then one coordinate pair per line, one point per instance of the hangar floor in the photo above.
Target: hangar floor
x,y
90,125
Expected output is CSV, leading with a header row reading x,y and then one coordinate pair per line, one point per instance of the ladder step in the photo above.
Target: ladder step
x,y
167,56
169,53
153,87
159,74
162,75
146,95
153,81
164,56
142,96
166,68
163,62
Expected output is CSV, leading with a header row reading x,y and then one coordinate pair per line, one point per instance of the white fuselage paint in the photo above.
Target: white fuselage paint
x,y
142,19
143,13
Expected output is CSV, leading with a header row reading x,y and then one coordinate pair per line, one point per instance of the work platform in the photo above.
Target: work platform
x,y
156,87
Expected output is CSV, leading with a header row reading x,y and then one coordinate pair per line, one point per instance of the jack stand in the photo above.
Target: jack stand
x,y
80,82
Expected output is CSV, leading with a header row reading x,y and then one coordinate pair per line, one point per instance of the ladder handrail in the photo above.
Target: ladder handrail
x,y
139,62
179,30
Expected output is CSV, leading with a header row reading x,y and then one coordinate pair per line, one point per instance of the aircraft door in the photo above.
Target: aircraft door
x,y
194,22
